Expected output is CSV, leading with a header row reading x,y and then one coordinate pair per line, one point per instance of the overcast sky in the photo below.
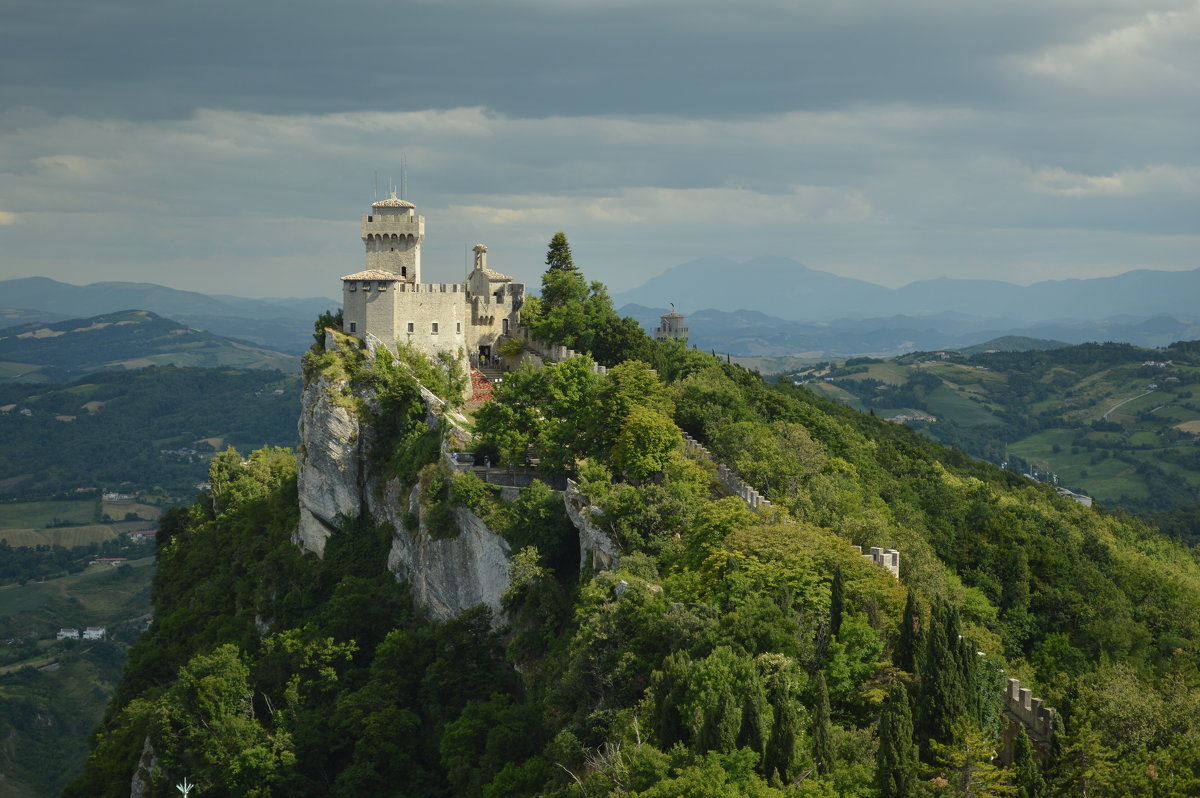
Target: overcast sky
x,y
231,146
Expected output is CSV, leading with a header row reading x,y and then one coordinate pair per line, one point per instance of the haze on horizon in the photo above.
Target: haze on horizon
x,y
230,147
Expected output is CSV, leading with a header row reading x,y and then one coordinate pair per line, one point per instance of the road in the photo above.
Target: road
x,y
1118,404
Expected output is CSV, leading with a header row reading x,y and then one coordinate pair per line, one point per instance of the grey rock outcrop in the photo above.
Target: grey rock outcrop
x,y
449,575
329,464
596,549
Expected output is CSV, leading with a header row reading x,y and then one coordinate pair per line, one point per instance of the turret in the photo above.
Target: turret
x,y
671,327
392,235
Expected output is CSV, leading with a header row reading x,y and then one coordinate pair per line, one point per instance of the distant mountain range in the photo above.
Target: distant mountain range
x,y
63,350
749,333
777,307
790,290
284,324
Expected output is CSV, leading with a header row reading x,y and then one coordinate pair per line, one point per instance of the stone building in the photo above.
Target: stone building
x,y
670,327
388,302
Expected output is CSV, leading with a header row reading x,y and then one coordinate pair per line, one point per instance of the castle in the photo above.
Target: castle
x,y
387,302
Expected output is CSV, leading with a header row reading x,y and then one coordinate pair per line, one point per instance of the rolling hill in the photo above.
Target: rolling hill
x,y
1118,422
61,351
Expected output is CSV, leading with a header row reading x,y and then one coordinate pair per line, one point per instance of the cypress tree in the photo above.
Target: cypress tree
x,y
896,761
837,602
779,757
756,715
1026,770
558,257
910,647
822,729
943,695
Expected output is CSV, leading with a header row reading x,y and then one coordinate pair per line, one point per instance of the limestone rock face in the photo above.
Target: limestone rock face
x,y
140,786
596,548
448,576
452,574
329,465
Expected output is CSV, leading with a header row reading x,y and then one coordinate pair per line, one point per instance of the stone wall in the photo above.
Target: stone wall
x,y
554,353
888,559
1021,708
735,485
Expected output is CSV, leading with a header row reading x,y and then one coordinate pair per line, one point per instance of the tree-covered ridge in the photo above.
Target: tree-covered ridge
x,y
730,653
139,430
1115,421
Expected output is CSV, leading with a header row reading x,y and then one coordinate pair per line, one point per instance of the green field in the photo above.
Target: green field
x,y
101,595
38,514
1086,413
67,536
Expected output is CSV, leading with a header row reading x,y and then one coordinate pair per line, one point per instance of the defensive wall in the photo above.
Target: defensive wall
x,y
1021,707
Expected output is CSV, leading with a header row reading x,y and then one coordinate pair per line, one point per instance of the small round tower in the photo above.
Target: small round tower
x,y
392,235
671,327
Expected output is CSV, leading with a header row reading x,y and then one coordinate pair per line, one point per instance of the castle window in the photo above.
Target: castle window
x,y
366,285
435,326
411,327
504,324
458,327
403,271
382,286
353,327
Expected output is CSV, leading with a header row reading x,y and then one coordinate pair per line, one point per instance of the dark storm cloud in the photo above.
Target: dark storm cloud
x,y
165,59
231,143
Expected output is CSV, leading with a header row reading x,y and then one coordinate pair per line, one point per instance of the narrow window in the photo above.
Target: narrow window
x,y
353,327
458,327
435,328
411,327
504,324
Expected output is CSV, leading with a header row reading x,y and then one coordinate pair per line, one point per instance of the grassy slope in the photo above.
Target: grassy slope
x,y
52,697
977,397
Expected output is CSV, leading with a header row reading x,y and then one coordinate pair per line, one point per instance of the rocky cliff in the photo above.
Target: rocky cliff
x,y
335,480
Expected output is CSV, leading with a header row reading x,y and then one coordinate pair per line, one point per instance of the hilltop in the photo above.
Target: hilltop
x,y
661,615
61,351
283,324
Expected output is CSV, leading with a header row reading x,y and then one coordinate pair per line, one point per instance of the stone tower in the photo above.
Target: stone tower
x,y
392,235
670,327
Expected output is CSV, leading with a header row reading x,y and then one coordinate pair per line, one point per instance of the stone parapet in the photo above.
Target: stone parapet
x,y
887,559
555,353
1021,705
734,484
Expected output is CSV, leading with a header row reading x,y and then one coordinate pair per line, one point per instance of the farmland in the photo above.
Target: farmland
x,y
1117,422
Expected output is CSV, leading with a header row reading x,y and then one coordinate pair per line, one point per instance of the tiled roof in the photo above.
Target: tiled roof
x,y
372,274
491,275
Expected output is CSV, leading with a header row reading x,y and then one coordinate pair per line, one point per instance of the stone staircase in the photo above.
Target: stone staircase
x,y
493,373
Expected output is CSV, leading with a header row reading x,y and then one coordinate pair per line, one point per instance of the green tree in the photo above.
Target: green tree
x,y
1027,773
558,256
206,727
945,695
896,772
646,443
822,728
910,645
965,763
837,601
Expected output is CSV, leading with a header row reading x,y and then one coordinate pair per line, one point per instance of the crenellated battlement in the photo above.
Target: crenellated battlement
x,y
1021,705
887,559
431,288
734,484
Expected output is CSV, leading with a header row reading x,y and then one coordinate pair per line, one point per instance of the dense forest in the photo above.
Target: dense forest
x,y
143,430
730,653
